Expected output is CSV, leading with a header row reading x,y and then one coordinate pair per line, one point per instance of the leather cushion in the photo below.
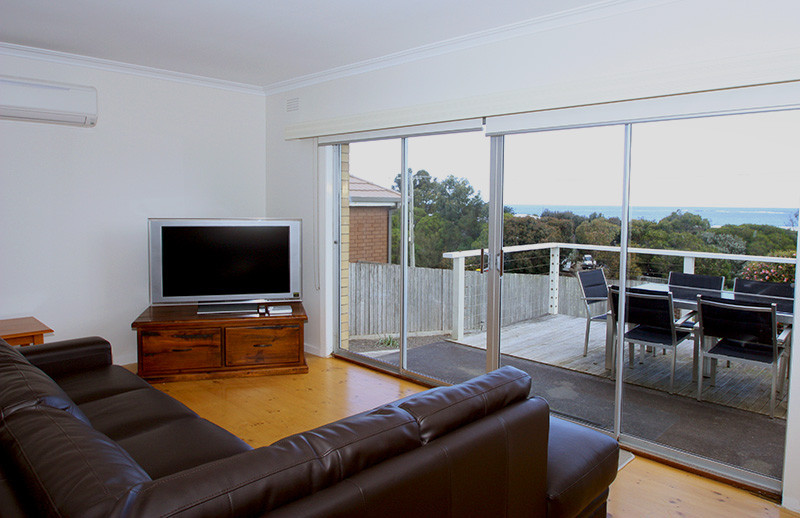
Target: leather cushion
x,y
71,468
254,482
181,444
76,355
24,385
581,464
350,445
133,412
443,409
14,501
99,383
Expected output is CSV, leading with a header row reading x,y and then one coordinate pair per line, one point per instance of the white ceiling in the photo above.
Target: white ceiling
x,y
258,42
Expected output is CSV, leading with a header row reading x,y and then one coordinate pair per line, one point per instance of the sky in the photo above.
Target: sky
x,y
732,161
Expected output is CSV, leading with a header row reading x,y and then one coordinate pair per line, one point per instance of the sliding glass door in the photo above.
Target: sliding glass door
x,y
506,247
713,207
413,219
448,197
370,269
563,203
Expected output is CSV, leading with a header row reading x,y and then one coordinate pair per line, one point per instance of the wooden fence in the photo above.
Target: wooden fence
x,y
375,299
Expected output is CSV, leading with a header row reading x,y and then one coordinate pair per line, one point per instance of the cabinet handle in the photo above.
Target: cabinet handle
x,y
188,349
194,336
262,345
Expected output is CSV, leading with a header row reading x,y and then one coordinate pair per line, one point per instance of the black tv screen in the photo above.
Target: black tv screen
x,y
224,260
197,261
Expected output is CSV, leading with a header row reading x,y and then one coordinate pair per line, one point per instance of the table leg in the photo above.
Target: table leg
x,y
708,364
610,343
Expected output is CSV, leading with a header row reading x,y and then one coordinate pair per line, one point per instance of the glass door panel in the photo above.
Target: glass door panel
x,y
448,194
562,196
707,197
370,269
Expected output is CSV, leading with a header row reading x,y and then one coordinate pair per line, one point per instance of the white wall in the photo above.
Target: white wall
x,y
658,49
294,193
669,47
74,202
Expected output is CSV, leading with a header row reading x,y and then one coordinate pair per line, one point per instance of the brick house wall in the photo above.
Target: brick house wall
x,y
369,234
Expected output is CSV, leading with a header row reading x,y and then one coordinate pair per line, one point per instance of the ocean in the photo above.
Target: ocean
x,y
717,216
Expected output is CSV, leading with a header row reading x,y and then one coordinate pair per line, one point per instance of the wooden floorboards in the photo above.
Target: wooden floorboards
x,y
262,410
647,488
558,340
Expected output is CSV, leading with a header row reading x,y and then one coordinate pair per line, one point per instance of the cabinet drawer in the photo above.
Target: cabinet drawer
x,y
177,350
262,345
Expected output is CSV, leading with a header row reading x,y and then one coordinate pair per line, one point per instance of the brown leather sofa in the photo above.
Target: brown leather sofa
x,y
82,437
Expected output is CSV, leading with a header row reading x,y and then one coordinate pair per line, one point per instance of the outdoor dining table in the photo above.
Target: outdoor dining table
x,y
686,298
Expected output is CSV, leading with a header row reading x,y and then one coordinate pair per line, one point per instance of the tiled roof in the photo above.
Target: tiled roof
x,y
362,190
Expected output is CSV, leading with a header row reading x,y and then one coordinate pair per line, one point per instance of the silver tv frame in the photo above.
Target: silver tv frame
x,y
155,226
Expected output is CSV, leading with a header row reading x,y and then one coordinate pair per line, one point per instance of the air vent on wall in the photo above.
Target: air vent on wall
x,y
44,101
293,104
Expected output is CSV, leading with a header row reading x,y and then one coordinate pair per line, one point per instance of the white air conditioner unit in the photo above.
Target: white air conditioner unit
x,y
42,101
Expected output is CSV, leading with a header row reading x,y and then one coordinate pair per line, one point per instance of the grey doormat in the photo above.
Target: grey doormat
x,y
736,437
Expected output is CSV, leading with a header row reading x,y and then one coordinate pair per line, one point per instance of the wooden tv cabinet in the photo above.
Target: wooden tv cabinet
x,y
176,343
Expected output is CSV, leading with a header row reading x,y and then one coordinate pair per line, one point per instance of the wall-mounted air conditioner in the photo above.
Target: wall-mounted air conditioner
x,y
42,101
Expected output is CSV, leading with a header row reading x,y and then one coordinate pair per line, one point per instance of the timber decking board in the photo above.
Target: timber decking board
x,y
558,340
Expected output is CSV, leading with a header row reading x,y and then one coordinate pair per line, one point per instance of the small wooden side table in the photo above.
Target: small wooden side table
x,y
23,331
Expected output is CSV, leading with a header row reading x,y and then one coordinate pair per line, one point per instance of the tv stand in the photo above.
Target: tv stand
x,y
177,343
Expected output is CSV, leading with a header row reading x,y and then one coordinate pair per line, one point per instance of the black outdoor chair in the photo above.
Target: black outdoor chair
x,y
594,293
781,293
652,313
745,332
689,285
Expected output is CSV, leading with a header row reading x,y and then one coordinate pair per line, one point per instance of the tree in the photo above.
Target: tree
x,y
680,222
531,230
761,239
448,216
600,231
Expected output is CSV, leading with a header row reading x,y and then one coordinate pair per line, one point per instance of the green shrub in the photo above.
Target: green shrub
x,y
770,272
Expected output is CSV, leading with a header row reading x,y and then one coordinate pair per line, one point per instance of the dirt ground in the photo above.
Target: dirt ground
x,y
376,344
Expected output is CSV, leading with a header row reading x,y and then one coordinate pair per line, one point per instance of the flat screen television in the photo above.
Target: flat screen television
x,y
227,263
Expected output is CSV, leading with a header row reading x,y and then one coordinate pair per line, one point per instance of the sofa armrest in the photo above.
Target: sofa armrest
x,y
581,464
67,356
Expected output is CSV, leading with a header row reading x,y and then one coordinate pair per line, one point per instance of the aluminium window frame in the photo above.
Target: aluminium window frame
x,y
402,135
748,99
783,96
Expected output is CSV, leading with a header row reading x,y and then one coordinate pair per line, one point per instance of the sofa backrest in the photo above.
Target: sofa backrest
x,y
71,469
24,385
495,466
443,409
292,469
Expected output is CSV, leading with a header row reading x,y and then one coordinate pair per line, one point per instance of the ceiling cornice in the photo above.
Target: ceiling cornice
x,y
64,58
598,10
778,66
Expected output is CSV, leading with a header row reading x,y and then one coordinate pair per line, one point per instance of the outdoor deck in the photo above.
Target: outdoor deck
x,y
558,340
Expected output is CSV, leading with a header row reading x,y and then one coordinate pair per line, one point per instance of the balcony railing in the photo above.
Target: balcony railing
x,y
457,289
